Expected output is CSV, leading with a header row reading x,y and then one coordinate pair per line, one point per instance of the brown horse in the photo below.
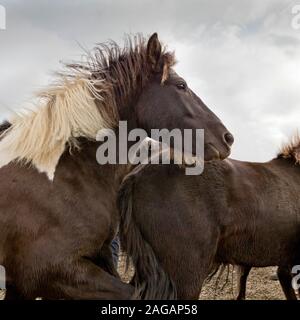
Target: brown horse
x,y
58,210
236,212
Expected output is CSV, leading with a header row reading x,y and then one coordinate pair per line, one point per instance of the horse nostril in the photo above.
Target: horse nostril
x,y
229,139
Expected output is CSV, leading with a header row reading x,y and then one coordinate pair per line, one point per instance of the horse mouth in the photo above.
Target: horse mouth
x,y
212,153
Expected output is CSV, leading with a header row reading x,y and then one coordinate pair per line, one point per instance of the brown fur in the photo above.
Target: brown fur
x,y
234,213
155,284
129,69
55,236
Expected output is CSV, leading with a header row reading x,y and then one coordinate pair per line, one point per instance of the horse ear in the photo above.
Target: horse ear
x,y
154,51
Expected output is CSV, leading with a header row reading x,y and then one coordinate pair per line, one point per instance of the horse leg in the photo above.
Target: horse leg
x,y
285,279
190,268
106,260
190,273
88,281
12,293
242,282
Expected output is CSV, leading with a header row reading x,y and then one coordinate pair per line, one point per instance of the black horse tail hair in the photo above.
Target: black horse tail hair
x,y
150,279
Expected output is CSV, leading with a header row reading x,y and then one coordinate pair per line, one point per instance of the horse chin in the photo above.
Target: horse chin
x,y
225,155
212,153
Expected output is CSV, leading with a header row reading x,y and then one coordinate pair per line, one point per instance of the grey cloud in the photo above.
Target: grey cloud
x,y
240,57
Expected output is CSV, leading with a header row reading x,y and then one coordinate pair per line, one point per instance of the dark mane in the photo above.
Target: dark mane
x,y
291,150
124,70
4,126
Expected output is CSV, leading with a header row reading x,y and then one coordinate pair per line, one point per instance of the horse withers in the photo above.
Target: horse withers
x,y
58,210
236,212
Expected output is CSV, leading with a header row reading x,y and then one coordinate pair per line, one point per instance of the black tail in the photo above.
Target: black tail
x,y
150,278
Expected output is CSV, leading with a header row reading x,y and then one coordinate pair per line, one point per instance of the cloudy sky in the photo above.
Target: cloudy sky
x,y
241,57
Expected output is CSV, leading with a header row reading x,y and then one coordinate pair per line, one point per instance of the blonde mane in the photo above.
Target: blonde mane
x,y
66,112
86,99
291,149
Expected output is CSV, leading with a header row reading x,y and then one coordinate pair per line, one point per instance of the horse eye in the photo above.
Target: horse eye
x,y
181,86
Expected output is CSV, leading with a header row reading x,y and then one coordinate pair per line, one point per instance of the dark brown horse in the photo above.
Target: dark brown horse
x,y
236,212
58,210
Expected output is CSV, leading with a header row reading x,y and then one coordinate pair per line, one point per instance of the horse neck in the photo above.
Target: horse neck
x,y
287,167
83,163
